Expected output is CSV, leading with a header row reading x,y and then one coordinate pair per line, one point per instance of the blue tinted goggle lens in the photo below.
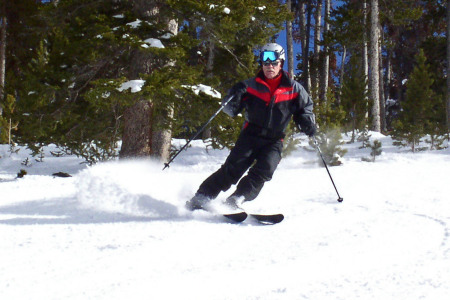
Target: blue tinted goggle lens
x,y
269,55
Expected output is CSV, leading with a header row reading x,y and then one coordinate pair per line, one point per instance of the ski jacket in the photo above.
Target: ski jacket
x,y
268,115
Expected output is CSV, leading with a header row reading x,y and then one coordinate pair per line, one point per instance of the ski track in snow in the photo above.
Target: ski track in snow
x,y
119,230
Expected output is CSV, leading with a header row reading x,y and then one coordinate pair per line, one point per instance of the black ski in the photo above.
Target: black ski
x,y
268,219
240,216
234,217
237,217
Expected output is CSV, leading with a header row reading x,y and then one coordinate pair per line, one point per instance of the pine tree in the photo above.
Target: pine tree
x,y
7,121
3,22
329,143
329,114
347,34
414,119
448,69
329,117
364,137
18,38
353,97
84,42
70,95
402,37
375,151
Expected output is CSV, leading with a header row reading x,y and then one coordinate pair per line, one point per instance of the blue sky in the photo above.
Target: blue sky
x,y
297,49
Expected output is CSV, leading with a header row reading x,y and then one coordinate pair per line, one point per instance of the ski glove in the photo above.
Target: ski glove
x,y
238,89
306,125
234,106
309,130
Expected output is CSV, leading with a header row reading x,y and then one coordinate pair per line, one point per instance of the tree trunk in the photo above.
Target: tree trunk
x,y
326,56
374,77
448,66
2,56
316,57
387,90
388,74
302,26
290,42
145,132
341,75
137,133
365,58
382,99
161,137
161,134
206,134
210,61
306,68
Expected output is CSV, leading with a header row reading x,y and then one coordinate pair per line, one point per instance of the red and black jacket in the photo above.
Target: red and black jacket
x,y
267,115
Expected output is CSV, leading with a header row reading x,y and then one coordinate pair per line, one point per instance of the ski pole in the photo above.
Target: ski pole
x,y
167,164
340,199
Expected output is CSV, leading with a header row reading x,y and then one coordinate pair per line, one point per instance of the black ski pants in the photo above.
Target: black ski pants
x,y
260,154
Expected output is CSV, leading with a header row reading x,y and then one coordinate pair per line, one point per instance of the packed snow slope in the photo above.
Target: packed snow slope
x,y
119,230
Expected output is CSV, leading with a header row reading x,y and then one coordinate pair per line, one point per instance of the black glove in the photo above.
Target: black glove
x,y
309,130
306,125
234,106
238,90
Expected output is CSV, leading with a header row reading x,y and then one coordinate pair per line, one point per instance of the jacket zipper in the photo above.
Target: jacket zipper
x,y
269,113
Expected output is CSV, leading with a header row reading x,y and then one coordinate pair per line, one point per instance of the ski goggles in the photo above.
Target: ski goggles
x,y
273,63
268,55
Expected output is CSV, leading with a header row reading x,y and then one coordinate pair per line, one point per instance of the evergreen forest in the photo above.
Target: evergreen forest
x,y
108,78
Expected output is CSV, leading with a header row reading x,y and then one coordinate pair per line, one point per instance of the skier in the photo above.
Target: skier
x,y
270,100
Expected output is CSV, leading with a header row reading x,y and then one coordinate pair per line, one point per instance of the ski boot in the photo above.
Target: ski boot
x,y
234,202
199,201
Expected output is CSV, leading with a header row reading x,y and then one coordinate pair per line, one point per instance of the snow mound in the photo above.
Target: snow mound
x,y
137,188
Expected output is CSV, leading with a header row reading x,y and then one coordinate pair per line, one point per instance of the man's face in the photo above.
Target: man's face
x,y
271,69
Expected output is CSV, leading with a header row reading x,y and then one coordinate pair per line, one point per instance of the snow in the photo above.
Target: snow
x,y
151,42
167,35
204,89
226,10
118,230
135,85
391,102
135,24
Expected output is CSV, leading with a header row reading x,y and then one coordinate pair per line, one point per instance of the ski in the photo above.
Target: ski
x,y
234,217
237,217
240,215
268,219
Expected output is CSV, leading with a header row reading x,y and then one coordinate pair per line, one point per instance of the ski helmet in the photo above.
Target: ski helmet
x,y
271,51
